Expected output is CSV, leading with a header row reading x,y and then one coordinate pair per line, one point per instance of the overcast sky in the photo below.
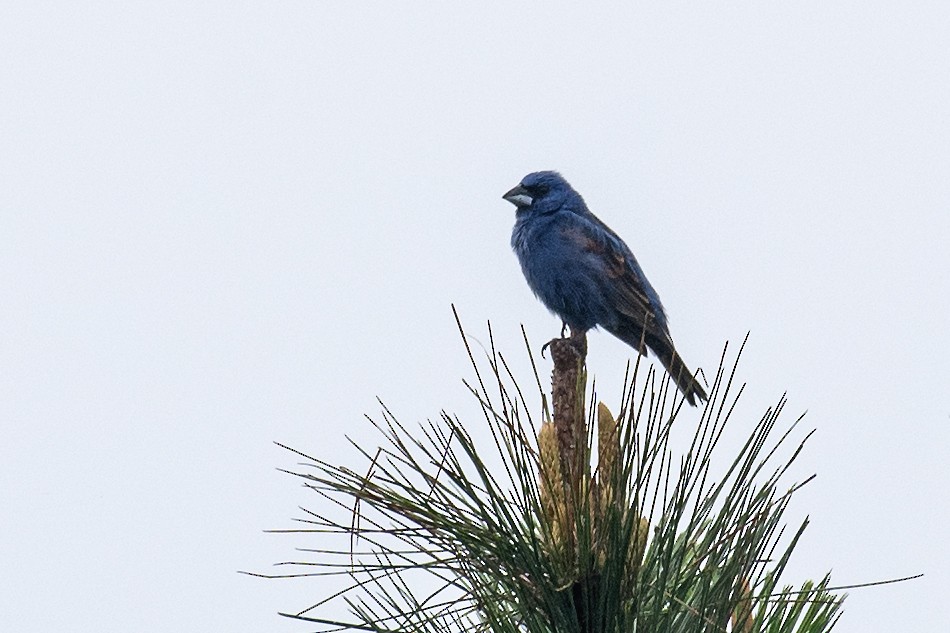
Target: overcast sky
x,y
228,223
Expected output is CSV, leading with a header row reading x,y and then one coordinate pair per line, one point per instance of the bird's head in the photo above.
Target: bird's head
x,y
544,192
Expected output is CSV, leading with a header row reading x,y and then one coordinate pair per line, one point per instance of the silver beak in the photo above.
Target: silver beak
x,y
519,197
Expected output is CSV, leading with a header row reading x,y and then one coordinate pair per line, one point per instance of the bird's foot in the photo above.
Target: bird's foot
x,y
575,344
578,341
550,343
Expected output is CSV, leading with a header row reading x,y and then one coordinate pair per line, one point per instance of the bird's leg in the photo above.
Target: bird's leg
x,y
578,340
564,327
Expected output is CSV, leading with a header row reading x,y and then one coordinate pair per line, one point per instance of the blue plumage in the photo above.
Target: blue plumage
x,y
583,272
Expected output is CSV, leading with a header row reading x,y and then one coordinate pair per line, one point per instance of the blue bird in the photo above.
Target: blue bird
x,y
584,273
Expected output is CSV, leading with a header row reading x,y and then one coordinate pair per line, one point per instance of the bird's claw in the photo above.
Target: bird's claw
x,y
579,342
576,341
546,345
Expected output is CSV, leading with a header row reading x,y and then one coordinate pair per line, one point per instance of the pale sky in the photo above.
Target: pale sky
x,y
224,224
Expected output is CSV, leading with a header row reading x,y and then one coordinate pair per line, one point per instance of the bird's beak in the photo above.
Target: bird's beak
x,y
519,197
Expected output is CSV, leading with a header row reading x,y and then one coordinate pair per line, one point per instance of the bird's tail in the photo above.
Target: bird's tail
x,y
661,345
680,374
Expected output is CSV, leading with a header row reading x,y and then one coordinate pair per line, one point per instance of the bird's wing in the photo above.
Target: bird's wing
x,y
625,282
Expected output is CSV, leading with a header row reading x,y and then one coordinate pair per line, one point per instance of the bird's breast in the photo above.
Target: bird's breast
x,y
559,272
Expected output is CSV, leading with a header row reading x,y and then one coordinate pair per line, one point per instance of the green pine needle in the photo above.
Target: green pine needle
x,y
446,533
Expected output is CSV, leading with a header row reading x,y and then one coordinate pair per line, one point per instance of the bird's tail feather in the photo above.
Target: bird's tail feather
x,y
662,346
681,375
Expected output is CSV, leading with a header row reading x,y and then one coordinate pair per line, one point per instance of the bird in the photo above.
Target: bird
x,y
584,273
